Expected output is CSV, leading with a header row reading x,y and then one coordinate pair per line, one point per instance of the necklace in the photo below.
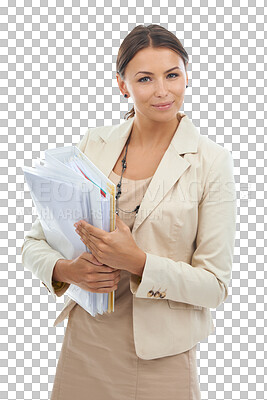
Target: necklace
x,y
118,193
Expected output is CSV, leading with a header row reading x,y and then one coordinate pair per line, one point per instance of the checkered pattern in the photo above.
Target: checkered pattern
x,y
58,76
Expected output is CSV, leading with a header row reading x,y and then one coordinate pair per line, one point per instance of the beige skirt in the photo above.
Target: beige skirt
x,y
98,362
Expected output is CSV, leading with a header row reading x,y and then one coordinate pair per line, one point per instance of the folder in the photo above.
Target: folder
x,y
66,187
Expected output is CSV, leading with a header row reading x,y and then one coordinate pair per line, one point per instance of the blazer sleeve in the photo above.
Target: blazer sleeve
x,y
39,257
204,282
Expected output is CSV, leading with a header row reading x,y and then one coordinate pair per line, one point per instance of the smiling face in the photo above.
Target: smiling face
x,y
163,80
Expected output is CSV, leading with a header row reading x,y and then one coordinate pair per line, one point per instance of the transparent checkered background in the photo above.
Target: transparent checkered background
x,y
58,77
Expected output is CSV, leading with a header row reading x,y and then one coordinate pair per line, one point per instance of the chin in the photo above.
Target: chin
x,y
164,115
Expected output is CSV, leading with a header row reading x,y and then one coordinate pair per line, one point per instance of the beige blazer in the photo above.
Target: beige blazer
x,y
186,226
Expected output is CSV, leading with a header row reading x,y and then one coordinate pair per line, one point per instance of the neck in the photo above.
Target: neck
x,y
147,134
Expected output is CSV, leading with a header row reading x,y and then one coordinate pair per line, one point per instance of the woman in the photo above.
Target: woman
x,y
169,259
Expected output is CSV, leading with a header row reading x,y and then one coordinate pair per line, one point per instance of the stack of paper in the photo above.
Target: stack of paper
x,y
66,187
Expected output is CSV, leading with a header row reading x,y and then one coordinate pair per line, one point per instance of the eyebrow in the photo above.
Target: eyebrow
x,y
151,73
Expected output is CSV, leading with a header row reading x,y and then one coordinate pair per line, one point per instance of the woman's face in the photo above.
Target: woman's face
x,y
155,85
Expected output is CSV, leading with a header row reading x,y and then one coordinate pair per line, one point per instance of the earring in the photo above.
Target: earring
x,y
125,95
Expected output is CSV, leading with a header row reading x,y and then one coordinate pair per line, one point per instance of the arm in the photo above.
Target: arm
x,y
205,281
40,258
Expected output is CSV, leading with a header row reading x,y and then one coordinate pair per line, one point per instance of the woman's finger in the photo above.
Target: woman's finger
x,y
93,260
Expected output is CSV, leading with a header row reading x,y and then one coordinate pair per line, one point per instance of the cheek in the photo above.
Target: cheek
x,y
179,88
142,93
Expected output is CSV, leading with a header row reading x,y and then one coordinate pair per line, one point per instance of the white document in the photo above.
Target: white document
x,y
67,187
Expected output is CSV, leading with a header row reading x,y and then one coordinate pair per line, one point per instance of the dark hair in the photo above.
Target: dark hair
x,y
142,37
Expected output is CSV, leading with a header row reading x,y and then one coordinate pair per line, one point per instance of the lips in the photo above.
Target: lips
x,y
162,104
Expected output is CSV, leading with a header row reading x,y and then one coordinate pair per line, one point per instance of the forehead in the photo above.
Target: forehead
x,y
155,59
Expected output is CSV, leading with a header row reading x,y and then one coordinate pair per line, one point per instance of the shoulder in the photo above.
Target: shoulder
x,y
195,144
212,154
204,154
105,132
208,147
215,166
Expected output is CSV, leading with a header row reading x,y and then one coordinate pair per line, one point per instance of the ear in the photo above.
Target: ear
x,y
186,77
121,83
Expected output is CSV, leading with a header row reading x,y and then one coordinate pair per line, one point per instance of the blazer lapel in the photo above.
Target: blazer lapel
x,y
113,141
170,168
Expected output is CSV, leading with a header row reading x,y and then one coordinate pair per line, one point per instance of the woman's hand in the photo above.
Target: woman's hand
x,y
116,249
89,274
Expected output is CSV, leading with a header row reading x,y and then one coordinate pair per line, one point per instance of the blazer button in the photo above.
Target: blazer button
x,y
150,293
162,295
157,294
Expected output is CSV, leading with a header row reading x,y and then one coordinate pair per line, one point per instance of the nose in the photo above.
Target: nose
x,y
161,88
